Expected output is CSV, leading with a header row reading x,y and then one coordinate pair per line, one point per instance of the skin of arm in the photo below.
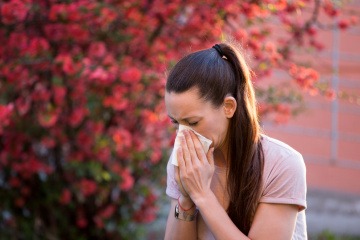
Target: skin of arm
x,y
178,229
271,221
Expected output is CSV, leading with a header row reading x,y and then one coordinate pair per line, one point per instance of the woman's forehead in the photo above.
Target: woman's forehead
x,y
184,103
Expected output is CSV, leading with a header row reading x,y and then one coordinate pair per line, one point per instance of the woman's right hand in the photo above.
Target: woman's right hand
x,y
184,198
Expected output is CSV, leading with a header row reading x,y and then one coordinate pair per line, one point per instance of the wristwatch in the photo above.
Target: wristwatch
x,y
184,215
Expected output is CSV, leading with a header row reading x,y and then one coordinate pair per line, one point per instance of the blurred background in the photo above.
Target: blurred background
x,y
84,134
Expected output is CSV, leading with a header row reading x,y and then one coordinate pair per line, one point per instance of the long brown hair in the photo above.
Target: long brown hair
x,y
217,73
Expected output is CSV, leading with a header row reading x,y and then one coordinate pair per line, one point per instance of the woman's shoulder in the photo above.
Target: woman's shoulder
x,y
284,174
272,146
278,153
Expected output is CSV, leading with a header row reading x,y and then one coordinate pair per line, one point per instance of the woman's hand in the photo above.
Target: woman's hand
x,y
195,167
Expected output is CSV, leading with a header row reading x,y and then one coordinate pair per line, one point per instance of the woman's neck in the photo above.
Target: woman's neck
x,y
220,159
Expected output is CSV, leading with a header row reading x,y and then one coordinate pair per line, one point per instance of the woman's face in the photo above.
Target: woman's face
x,y
189,109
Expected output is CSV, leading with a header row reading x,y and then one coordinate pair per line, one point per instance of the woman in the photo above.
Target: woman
x,y
248,185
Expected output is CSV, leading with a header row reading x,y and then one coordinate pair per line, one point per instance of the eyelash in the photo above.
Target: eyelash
x,y
193,124
190,124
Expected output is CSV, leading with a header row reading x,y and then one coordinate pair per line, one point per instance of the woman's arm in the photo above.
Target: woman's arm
x,y
179,229
271,221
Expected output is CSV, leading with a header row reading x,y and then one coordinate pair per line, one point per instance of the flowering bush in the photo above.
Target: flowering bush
x,y
83,128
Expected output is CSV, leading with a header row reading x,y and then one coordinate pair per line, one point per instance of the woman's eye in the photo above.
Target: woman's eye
x,y
193,124
174,122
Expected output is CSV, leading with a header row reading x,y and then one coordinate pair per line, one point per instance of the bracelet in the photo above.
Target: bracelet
x,y
182,207
184,216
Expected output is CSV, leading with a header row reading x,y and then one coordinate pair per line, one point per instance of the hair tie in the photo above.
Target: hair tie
x,y
218,49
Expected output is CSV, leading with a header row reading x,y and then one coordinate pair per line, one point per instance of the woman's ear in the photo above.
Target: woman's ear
x,y
230,105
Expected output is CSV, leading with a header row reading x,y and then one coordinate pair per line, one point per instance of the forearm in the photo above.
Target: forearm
x,y
218,220
179,229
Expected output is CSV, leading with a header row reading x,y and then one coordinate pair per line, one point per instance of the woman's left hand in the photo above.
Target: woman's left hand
x,y
196,167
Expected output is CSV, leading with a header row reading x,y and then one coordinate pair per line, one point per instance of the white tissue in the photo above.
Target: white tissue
x,y
204,142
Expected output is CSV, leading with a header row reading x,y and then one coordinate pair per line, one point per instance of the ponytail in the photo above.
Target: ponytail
x,y
245,150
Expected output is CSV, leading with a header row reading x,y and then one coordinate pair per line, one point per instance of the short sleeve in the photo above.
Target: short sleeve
x,y
285,182
172,189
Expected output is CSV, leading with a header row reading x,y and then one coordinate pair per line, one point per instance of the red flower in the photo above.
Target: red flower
x,y
131,75
5,113
77,33
107,16
55,32
127,180
81,221
329,9
58,11
25,191
304,77
104,154
48,142
77,116
59,94
22,105
48,118
19,202
14,182
344,23
67,63
147,211
99,222
107,212
117,100
101,76
97,49
330,94
65,197
38,46
13,12
156,156
87,187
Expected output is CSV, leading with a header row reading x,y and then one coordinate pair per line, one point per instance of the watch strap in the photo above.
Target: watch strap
x,y
184,216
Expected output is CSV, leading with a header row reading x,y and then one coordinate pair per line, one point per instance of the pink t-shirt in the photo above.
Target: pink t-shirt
x,y
284,182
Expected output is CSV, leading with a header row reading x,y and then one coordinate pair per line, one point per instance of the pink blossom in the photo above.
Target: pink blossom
x,y
5,114
330,94
55,32
127,180
48,142
58,11
107,212
22,105
131,75
59,94
13,12
77,33
87,187
48,118
77,116
38,46
81,221
344,23
19,202
97,49
14,182
65,197
101,76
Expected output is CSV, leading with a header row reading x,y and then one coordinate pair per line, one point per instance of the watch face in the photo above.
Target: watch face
x,y
177,211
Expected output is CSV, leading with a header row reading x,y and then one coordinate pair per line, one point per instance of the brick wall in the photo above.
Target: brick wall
x,y
328,132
